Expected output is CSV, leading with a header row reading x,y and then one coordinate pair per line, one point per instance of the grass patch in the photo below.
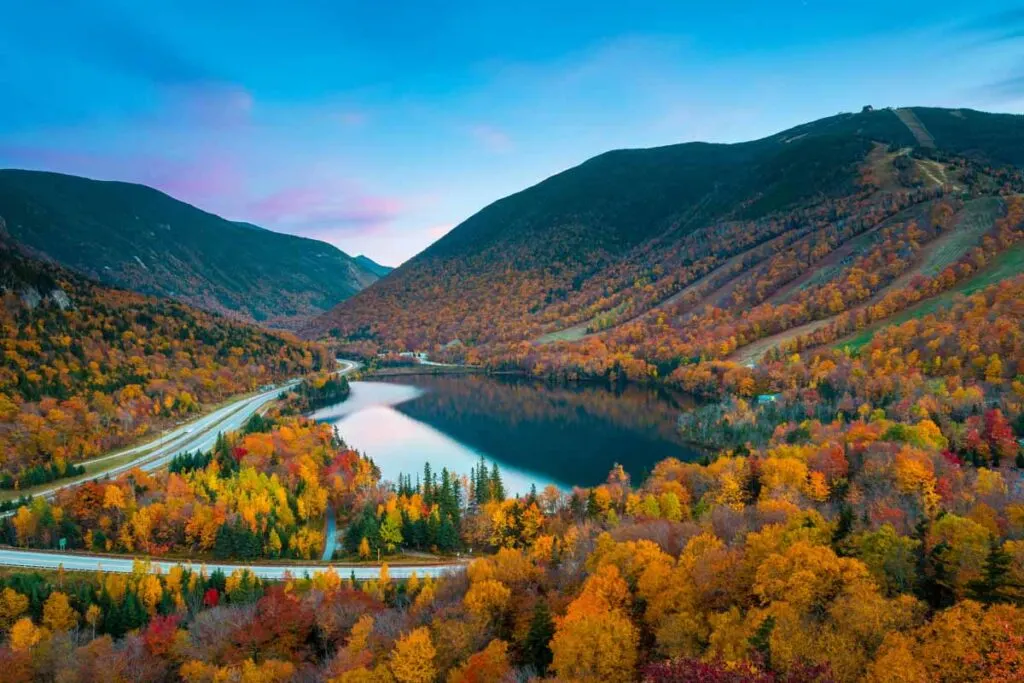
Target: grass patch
x,y
1008,264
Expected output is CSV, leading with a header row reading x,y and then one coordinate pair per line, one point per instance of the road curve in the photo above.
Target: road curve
x,y
30,559
199,434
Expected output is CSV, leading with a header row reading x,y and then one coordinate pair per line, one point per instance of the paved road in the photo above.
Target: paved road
x,y
10,557
199,434
330,535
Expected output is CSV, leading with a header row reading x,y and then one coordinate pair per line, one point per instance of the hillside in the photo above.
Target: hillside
x,y
675,229
136,237
372,266
86,368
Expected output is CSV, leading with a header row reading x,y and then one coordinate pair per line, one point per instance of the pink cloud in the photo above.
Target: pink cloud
x,y
210,178
325,210
493,139
439,231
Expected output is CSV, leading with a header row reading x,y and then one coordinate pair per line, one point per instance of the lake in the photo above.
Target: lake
x,y
538,433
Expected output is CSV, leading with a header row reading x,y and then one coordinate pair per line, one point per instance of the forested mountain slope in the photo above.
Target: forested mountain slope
x,y
136,237
85,368
672,230
369,264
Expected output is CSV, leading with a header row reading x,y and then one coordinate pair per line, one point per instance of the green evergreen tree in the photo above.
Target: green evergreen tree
x,y
428,485
497,485
537,647
447,536
936,587
483,482
996,584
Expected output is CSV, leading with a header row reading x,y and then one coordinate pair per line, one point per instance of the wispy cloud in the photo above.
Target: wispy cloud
x,y
1001,26
1010,87
114,40
325,211
439,231
995,32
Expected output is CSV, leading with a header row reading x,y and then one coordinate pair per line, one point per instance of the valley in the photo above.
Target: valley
x,y
718,412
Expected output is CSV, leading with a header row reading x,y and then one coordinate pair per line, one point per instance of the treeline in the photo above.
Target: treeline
x,y
318,391
40,474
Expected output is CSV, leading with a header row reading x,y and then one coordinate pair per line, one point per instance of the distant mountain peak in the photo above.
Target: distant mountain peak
x,y
372,266
137,237
601,242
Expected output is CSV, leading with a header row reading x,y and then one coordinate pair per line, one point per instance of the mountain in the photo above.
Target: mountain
x,y
86,368
136,237
677,228
372,266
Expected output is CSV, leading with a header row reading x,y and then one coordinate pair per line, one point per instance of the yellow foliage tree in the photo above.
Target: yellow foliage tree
x,y
412,660
596,641
58,615
12,605
25,634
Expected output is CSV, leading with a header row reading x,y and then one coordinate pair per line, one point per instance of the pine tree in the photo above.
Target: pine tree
x,y
996,584
537,648
483,483
845,525
937,585
447,535
497,486
471,493
576,506
428,485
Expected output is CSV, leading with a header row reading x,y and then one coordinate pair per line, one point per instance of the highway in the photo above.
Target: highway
x,y
199,434
10,557
330,534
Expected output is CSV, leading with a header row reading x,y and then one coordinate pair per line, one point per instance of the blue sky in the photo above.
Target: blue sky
x,y
379,126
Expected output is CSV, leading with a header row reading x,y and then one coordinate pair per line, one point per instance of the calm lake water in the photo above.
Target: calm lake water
x,y
537,433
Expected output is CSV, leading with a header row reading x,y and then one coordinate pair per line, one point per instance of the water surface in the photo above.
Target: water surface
x,y
538,433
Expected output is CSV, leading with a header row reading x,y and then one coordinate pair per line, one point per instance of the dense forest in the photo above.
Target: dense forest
x,y
867,523
262,492
86,368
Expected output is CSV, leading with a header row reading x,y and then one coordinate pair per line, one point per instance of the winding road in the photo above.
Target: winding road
x,y
200,434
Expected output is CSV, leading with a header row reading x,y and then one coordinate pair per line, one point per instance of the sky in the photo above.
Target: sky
x,y
378,127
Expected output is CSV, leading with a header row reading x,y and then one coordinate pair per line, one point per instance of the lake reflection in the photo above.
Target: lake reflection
x,y
538,433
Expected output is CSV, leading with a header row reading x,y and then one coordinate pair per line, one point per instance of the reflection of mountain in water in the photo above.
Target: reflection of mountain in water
x,y
572,434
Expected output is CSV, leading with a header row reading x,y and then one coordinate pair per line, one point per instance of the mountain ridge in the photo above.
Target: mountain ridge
x,y
136,236
369,264
606,240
